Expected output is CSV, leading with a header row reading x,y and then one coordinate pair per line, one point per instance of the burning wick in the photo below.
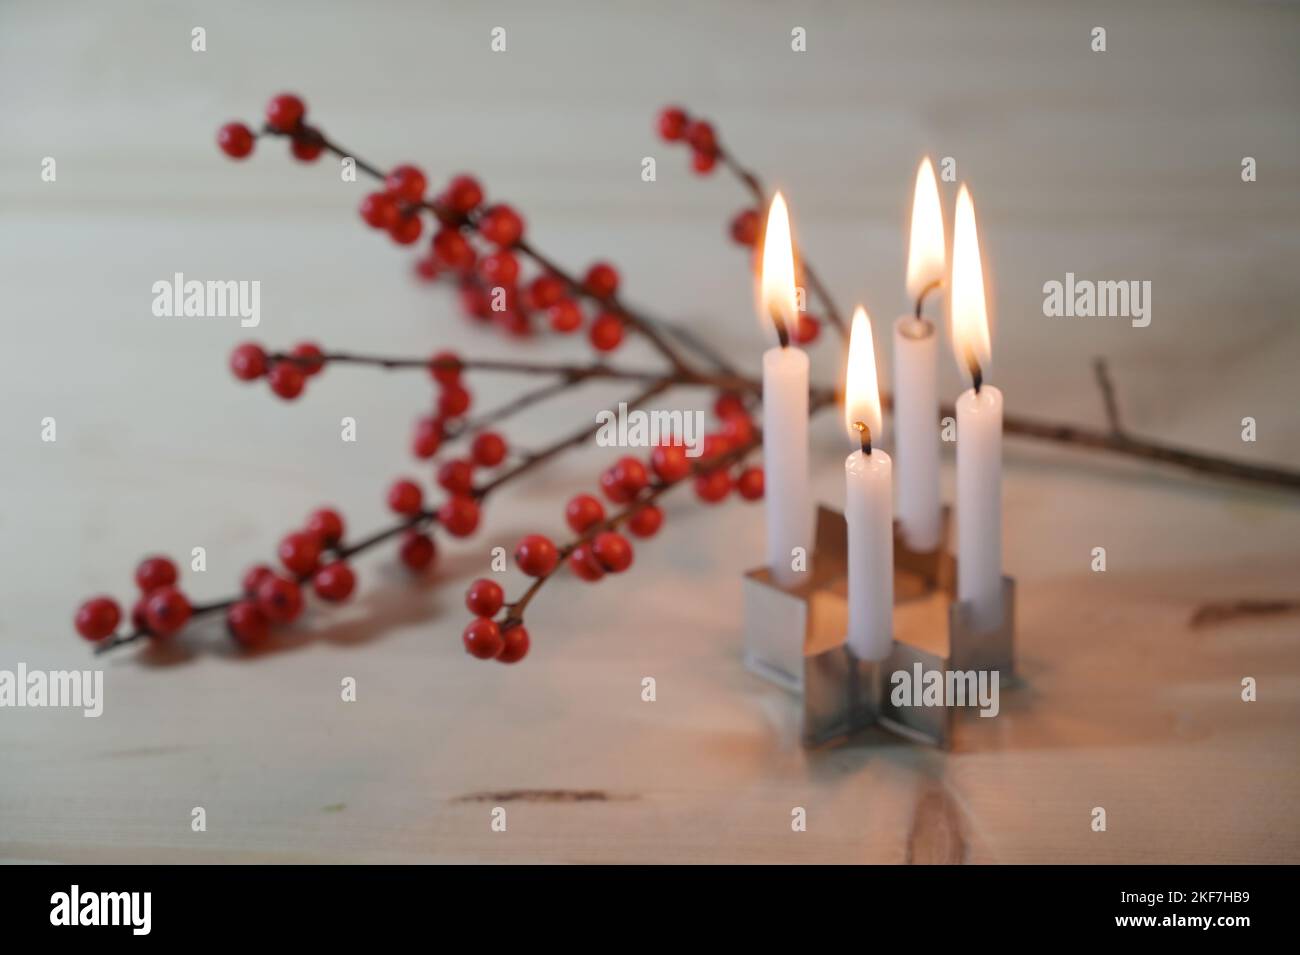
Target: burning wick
x,y
864,435
920,298
782,333
976,373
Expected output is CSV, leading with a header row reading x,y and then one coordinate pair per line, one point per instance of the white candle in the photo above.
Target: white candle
x,y
979,504
868,505
785,411
916,426
916,391
979,432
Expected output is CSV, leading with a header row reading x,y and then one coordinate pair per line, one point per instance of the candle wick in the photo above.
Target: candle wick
x,y
920,298
864,435
977,376
782,333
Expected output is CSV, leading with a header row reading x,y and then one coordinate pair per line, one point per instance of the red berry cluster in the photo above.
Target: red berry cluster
x,y
490,276
505,642
161,609
600,549
284,115
676,125
312,554
287,376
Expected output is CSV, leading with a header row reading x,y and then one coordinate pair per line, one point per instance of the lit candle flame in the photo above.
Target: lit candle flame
x,y
777,291
925,253
861,391
970,320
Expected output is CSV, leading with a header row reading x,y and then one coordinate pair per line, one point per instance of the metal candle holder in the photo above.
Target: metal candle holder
x,y
795,637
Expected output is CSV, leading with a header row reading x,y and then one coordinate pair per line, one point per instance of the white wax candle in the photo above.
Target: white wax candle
x,y
785,462
869,517
916,426
979,505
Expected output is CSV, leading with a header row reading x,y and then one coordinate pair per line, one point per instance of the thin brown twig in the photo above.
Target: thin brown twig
x,y
1107,395
648,328
755,186
569,373
424,517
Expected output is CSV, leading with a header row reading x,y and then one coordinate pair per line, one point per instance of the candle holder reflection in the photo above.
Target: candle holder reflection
x,y
795,637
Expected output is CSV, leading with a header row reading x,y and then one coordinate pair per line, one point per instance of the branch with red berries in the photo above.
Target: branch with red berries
x,y
482,249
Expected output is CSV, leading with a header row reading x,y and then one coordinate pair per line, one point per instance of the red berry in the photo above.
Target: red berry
x,y
584,565
713,486
155,572
729,405
454,401
137,614
670,463
445,367
309,358
327,525
300,552
582,512
380,210
427,268
806,330
428,437
417,551
463,194
459,515
484,597
714,445
279,599
502,226
248,361
405,497
672,123
98,617
612,551
406,183
601,280
565,316
612,487
287,380
334,582
475,301
703,162
246,624
499,268
606,332
738,430
253,578
701,137
750,484
515,644
744,227
545,291
307,145
285,112
452,249
235,140
646,522
483,638
406,229
536,555
166,610
631,473
457,476
488,449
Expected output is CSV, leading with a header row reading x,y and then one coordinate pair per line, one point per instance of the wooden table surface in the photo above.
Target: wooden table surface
x,y
1117,165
